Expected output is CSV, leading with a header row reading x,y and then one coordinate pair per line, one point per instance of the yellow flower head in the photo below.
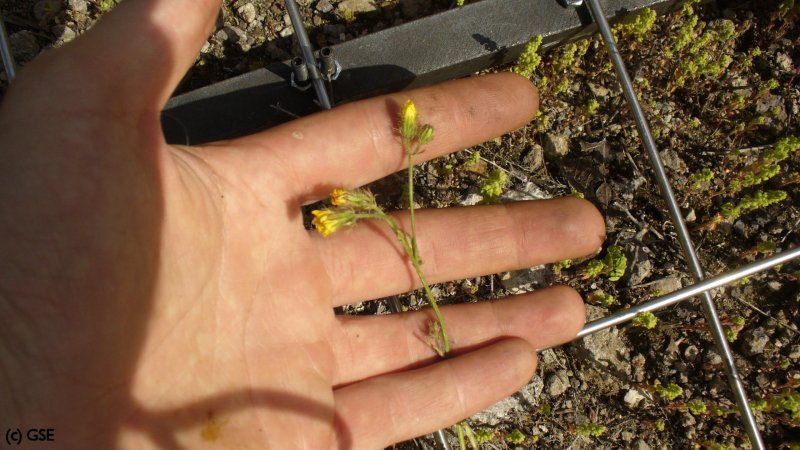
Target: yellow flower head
x,y
360,200
328,221
408,120
339,197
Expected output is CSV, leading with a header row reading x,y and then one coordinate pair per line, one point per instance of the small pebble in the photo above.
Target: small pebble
x,y
63,33
247,12
633,398
755,341
78,6
557,383
324,6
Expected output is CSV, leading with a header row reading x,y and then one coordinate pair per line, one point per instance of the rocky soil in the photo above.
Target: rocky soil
x,y
715,131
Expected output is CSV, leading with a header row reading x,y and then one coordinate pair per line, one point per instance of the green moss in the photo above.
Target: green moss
x,y
484,435
697,407
516,437
590,429
645,320
669,392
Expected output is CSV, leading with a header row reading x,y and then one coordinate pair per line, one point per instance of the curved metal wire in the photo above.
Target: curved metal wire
x,y
5,53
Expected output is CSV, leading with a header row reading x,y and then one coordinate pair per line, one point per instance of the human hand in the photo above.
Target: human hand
x,y
165,296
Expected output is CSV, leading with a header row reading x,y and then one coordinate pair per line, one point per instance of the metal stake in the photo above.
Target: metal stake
x,y
5,53
308,54
688,292
680,226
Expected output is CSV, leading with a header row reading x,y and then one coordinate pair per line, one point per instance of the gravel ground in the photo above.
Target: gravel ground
x,y
715,132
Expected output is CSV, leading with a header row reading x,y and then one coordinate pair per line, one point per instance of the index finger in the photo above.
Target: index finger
x,y
357,143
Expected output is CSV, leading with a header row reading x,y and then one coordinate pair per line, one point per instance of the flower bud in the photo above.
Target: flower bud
x,y
425,134
408,120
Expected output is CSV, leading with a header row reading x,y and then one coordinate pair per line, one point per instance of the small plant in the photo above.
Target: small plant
x,y
492,190
591,107
561,265
635,28
759,199
529,59
697,407
699,179
349,15
484,435
350,206
732,331
106,5
646,320
613,265
669,392
516,437
785,405
602,298
660,425
590,429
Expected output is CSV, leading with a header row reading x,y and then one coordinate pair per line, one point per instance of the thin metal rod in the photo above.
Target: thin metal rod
x,y
688,292
711,315
5,53
442,440
308,54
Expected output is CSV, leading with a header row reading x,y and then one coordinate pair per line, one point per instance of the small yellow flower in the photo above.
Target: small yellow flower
x,y
328,221
359,200
339,197
408,120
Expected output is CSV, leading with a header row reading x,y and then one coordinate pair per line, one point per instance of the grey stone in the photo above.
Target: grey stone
x,y
288,31
529,192
521,402
627,436
78,6
555,145
672,161
713,358
557,383
641,444
247,12
24,45
667,285
231,34
755,341
632,398
598,90
525,280
641,270
357,6
691,216
63,33
607,348
794,352
784,61
324,6
691,352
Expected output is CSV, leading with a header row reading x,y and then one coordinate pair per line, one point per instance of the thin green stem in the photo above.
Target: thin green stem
x,y
410,155
409,242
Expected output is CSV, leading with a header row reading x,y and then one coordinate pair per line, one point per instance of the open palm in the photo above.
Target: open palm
x,y
166,296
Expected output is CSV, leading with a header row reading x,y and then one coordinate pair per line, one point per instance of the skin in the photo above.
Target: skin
x,y
170,297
